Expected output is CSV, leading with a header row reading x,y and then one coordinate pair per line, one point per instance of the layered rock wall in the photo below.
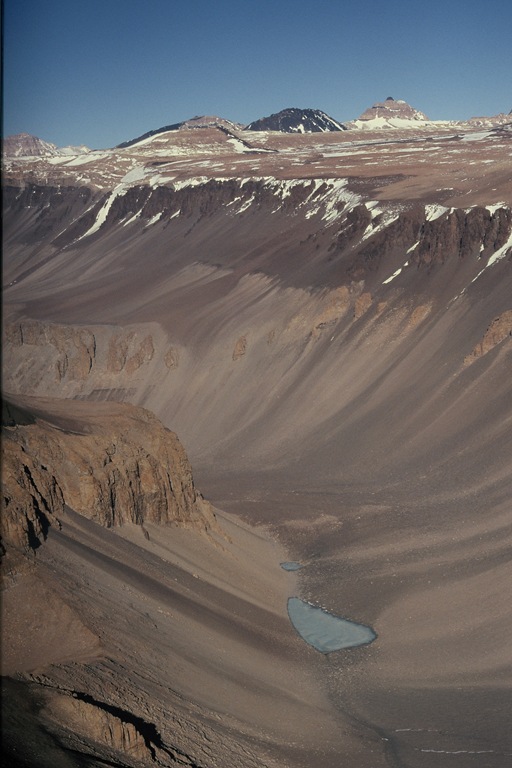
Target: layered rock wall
x,y
113,465
78,359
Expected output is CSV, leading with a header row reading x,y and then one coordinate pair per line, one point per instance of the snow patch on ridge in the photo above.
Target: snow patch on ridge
x,y
493,208
102,214
499,254
395,273
336,193
387,217
79,159
238,145
135,174
328,198
434,211
154,219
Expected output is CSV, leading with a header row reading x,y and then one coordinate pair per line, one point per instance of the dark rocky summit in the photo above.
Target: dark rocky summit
x,y
294,120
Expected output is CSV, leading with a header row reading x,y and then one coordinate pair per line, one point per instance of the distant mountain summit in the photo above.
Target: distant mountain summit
x,y
294,120
26,145
392,110
202,121
490,122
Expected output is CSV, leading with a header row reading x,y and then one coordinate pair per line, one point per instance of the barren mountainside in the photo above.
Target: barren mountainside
x,y
325,321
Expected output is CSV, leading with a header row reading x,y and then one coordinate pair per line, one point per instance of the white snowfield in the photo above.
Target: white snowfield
x,y
396,122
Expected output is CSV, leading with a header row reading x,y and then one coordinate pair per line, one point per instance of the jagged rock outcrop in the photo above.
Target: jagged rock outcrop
x,y
240,348
94,724
124,468
52,206
451,234
76,728
463,233
499,330
32,497
84,724
362,234
193,201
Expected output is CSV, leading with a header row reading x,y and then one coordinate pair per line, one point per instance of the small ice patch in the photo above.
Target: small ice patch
x,y
392,277
477,136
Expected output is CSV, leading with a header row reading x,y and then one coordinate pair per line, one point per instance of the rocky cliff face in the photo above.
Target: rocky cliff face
x,y
499,330
103,361
113,465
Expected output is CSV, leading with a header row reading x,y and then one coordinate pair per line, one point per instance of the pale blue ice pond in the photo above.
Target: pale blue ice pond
x,y
291,566
323,630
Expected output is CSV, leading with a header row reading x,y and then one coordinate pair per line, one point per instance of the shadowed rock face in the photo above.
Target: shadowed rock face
x,y
327,328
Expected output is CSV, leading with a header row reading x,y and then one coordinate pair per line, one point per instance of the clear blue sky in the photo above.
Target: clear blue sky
x,y
99,72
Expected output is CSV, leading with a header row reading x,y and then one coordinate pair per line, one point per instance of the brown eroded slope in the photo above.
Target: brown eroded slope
x,y
140,606
332,345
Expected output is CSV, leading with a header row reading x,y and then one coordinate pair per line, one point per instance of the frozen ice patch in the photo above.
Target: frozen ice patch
x,y
324,631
